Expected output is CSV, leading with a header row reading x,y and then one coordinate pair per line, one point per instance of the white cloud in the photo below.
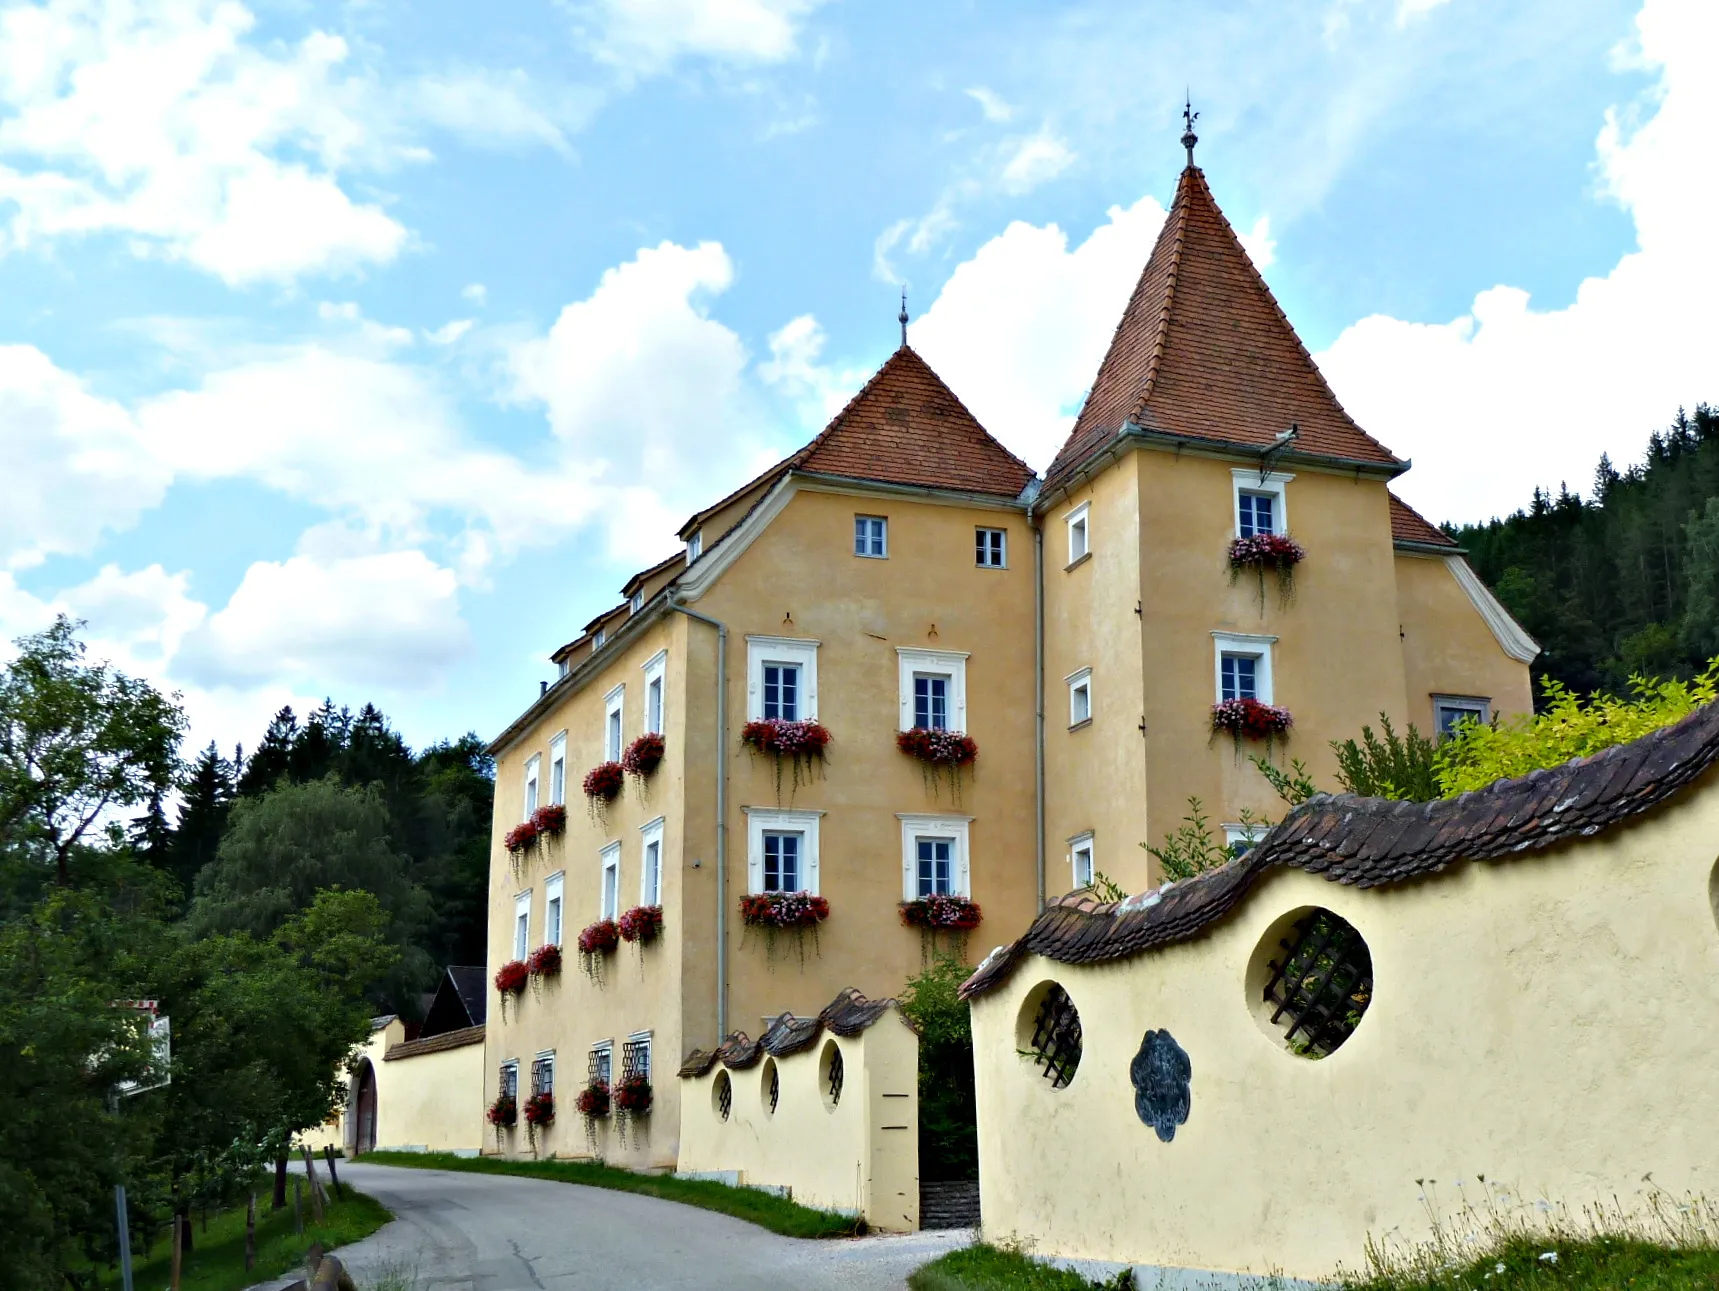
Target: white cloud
x,y
643,37
991,103
1019,329
449,332
475,292
389,619
1034,161
496,109
1409,10
1260,246
795,367
1508,396
73,466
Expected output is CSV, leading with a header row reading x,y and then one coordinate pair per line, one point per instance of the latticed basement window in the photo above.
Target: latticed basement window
x,y
834,1078
510,1080
1319,983
1056,1037
636,1057
543,1074
601,1065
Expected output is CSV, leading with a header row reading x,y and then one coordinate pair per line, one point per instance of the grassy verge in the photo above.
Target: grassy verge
x,y
218,1262
993,1268
761,1208
1597,1264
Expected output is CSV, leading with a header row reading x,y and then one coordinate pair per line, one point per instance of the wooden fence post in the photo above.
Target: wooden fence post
x,y
315,1187
333,1178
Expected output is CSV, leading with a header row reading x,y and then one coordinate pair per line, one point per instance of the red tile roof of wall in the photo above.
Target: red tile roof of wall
x,y
1409,525
1204,351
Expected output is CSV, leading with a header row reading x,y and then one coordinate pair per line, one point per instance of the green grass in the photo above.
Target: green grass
x,y
218,1261
993,1268
1597,1264
755,1207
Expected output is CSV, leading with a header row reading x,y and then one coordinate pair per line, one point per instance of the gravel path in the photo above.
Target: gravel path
x,y
474,1232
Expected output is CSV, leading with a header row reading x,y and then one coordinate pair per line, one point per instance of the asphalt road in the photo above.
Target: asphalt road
x,y
473,1232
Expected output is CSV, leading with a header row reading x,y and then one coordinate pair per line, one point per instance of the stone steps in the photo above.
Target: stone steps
x,y
949,1204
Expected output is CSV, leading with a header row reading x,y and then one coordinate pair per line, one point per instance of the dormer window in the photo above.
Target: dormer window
x,y
597,639
636,601
695,546
566,667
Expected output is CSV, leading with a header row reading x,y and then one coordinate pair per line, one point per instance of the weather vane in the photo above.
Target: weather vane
x,y
902,317
1189,138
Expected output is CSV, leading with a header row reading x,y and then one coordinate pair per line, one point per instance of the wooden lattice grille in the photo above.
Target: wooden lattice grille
x,y
1056,1037
543,1076
602,1060
775,1086
1320,985
834,1079
724,1095
636,1058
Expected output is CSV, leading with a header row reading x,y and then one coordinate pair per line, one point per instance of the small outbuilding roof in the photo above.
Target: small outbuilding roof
x,y
1372,842
847,1015
435,1044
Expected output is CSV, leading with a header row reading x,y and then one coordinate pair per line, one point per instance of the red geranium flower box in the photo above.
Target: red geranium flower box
x,y
540,1110
938,748
594,1100
545,961
783,910
604,781
551,819
1266,551
511,977
521,836
642,923
599,938
941,912
786,739
1250,719
643,755
504,1112
633,1096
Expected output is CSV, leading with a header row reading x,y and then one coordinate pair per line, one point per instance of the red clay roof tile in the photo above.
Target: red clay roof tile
x,y
1409,525
1203,350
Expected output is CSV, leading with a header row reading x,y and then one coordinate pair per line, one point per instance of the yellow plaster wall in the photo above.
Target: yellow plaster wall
x,y
1096,775
433,1101
859,1156
1447,647
1337,661
801,579
333,1133
638,990
1546,1021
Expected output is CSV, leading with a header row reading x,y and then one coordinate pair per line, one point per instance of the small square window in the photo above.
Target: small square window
x,y
991,548
1080,697
636,1055
871,537
1080,856
1241,838
1450,712
1240,676
1078,538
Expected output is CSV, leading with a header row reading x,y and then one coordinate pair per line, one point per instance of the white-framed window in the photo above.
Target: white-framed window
x,y
613,705
1261,505
651,863
611,887
509,1082
636,1055
598,638
871,537
543,1073
991,548
564,667
1080,853
781,679
558,768
1079,538
781,850
695,547
1242,837
656,690
1242,666
933,686
1451,711
935,857
602,1065
1079,697
533,770
522,924
636,601
554,916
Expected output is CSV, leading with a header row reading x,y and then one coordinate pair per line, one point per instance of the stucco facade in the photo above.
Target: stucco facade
x,y
1539,1020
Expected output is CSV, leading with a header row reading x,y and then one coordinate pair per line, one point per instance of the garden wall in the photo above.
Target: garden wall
x,y
1536,1021
826,1107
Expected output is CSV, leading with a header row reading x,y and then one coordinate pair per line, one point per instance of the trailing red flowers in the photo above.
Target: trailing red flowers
x,y
786,739
551,819
783,910
545,822
511,977
641,924
1266,551
594,1100
643,755
599,938
938,748
941,912
522,837
633,1096
503,1113
545,961
1250,719
604,781
540,1110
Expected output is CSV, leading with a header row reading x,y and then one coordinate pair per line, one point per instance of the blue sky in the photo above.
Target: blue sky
x,y
364,350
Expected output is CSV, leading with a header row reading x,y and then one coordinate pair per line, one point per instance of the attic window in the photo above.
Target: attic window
x,y
695,546
636,601
597,639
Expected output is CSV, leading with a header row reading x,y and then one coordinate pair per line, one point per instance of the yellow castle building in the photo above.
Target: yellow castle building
x,y
721,768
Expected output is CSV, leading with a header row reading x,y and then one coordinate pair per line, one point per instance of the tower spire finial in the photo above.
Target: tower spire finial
x,y
902,318
1189,138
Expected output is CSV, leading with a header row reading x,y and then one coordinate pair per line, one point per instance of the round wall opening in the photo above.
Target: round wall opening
x,y
722,1095
770,1086
1047,1030
1310,981
831,1074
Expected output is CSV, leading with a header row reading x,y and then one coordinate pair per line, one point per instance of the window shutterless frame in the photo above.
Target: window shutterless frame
x,y
1079,697
554,909
533,776
522,924
1080,854
936,856
1079,532
871,537
1235,657
991,548
781,652
610,892
651,862
775,839
1259,505
558,769
614,709
656,690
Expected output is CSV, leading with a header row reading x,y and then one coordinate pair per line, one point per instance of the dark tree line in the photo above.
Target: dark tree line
x,y
1625,581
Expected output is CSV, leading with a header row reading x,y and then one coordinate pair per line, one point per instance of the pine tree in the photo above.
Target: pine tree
x,y
271,761
206,798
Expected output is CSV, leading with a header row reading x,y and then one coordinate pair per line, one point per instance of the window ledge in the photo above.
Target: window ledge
x,y
1077,562
1081,725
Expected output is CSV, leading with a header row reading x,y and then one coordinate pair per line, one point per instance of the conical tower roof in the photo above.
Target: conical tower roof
x,y
1204,352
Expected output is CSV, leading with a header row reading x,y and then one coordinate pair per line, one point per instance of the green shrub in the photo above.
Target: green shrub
x,y
1398,766
948,1117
